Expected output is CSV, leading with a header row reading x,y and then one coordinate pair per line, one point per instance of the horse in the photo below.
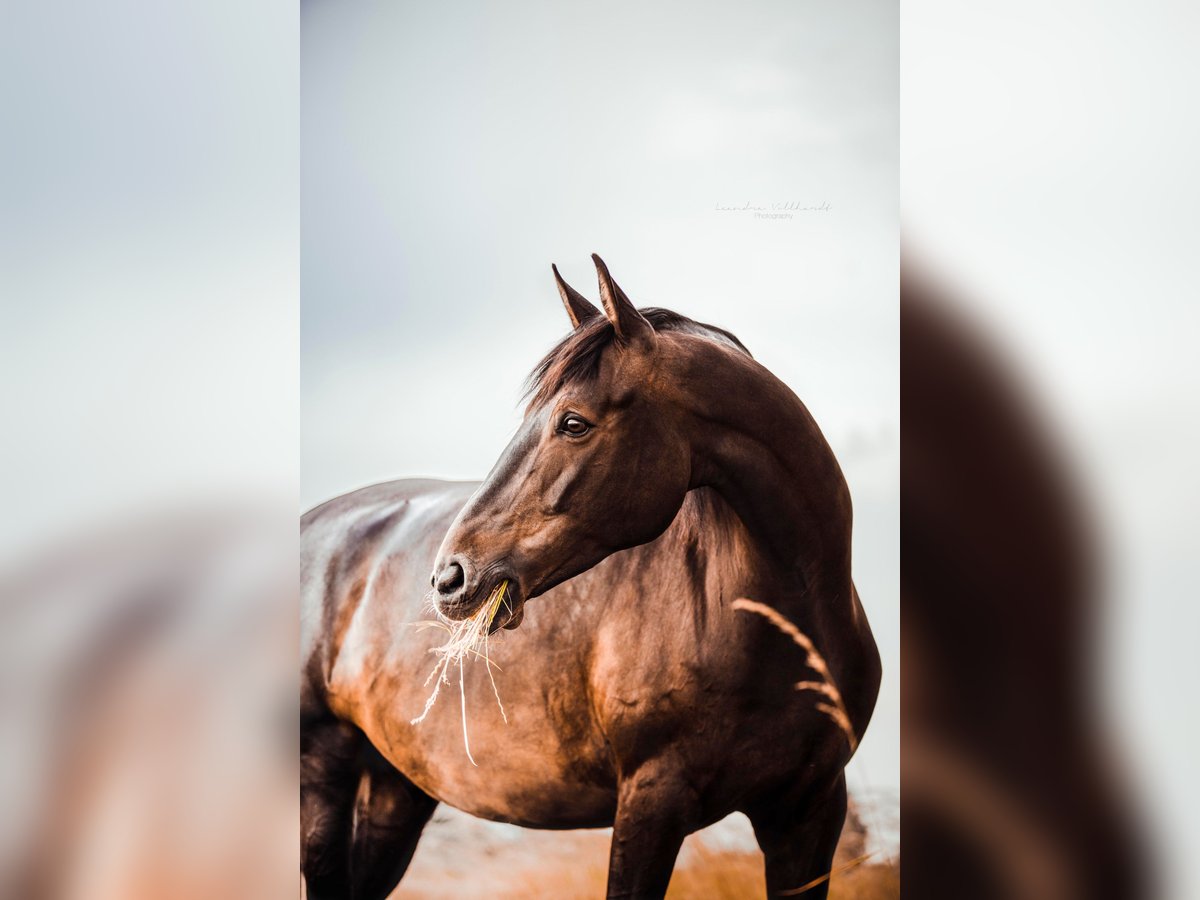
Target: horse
x,y
660,479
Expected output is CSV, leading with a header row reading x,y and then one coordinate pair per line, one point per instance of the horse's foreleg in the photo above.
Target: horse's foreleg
x,y
390,812
361,818
328,775
798,836
655,812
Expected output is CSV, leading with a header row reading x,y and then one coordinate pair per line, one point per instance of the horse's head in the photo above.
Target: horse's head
x,y
601,462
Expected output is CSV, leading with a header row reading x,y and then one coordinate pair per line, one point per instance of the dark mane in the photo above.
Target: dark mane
x,y
577,356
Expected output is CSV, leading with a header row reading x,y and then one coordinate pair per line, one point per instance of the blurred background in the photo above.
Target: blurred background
x,y
736,164
149,344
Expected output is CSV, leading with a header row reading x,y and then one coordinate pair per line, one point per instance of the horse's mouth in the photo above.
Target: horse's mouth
x,y
509,613
512,607
509,617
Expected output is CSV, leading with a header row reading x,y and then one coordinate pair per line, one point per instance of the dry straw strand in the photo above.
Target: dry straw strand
x,y
835,708
821,879
468,637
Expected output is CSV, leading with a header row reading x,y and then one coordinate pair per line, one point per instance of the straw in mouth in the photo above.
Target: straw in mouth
x,y
467,637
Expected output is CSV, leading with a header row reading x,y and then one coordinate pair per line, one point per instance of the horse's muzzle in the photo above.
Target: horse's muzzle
x,y
460,590
455,592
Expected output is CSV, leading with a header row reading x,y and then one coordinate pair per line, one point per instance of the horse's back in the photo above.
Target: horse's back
x,y
343,543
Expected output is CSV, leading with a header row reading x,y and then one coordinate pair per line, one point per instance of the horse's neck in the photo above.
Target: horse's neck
x,y
707,559
755,443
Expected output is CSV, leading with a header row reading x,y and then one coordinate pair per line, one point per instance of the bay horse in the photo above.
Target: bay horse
x,y
660,475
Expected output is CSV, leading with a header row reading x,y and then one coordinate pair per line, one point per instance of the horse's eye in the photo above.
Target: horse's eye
x,y
574,426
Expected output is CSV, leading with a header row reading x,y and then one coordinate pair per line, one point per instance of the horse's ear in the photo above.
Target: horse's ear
x,y
631,326
578,306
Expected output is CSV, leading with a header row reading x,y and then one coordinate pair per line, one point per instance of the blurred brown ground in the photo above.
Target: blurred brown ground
x,y
460,856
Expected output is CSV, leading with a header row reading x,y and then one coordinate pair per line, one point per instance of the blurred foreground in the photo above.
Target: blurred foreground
x,y
148,727
1012,780
148,352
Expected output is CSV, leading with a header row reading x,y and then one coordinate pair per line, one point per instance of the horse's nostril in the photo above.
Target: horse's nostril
x,y
450,579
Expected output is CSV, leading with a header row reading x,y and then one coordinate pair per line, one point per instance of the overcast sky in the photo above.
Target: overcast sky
x,y
450,153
